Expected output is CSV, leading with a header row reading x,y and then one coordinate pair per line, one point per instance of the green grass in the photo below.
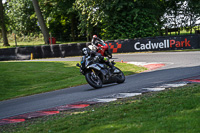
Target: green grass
x,y
184,31
174,111
26,78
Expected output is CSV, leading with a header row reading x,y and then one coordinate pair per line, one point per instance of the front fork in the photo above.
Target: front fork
x,y
94,74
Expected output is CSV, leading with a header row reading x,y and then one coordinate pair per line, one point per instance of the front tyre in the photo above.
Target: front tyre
x,y
93,80
120,77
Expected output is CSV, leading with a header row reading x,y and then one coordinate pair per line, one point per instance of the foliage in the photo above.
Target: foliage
x,y
60,17
109,19
90,14
22,18
119,19
182,14
128,19
194,12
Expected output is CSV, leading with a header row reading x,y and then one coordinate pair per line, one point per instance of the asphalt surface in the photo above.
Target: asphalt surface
x,y
179,65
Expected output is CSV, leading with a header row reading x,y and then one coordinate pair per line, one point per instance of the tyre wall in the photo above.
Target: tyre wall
x,y
116,46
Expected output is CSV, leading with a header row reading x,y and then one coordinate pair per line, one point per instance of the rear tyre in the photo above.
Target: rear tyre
x,y
93,80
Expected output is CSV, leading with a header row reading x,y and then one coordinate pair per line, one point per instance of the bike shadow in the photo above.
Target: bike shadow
x,y
104,86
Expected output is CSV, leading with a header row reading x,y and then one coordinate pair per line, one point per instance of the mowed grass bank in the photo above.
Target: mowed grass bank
x,y
172,110
26,78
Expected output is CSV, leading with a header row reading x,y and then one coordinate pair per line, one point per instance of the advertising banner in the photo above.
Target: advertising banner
x,y
155,44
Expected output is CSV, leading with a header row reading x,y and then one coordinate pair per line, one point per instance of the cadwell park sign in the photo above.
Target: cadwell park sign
x,y
162,45
116,46
156,44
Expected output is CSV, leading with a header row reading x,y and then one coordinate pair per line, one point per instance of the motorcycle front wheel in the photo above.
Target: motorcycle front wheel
x,y
93,80
120,77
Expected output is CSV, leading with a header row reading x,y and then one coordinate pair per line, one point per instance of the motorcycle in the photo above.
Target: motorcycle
x,y
101,48
97,74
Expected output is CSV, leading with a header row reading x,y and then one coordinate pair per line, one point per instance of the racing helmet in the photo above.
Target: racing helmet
x,y
94,36
85,51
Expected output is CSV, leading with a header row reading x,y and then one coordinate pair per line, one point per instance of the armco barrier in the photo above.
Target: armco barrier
x,y
116,46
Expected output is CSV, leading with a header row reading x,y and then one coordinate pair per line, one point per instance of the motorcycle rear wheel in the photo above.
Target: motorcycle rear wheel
x,y
93,80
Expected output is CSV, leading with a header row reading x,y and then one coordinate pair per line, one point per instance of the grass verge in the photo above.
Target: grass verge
x,y
26,78
172,110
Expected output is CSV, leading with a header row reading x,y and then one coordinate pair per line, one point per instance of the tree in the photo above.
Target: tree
x,y
22,18
182,14
194,7
60,18
41,21
118,19
90,14
3,27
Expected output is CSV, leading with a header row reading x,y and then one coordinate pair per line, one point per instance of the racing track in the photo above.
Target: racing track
x,y
178,65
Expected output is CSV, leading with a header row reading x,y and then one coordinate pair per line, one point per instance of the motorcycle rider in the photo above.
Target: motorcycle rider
x,y
96,40
97,57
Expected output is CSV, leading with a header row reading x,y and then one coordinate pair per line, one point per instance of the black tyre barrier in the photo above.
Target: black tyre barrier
x,y
7,54
38,52
69,49
7,57
116,46
74,50
62,51
80,46
7,51
56,50
65,50
46,51
24,53
25,50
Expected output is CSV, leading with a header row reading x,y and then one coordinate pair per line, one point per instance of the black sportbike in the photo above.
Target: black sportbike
x,y
98,73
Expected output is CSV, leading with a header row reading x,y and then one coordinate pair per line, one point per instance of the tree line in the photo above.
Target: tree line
x,y
109,19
